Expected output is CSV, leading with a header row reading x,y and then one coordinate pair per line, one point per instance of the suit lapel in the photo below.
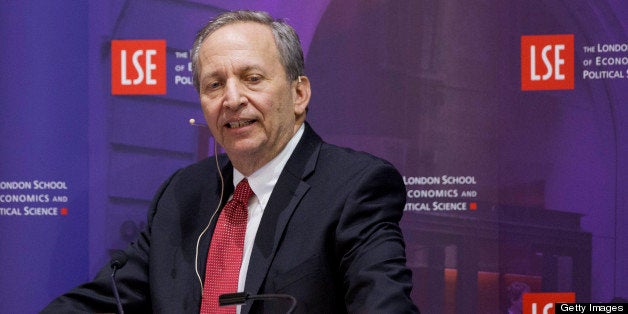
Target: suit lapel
x,y
286,195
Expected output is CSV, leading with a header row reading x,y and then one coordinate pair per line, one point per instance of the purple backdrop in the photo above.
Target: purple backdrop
x,y
537,177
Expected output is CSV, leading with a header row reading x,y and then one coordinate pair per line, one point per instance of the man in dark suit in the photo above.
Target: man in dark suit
x,y
322,224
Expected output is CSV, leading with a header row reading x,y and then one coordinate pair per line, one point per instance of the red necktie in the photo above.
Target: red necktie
x,y
225,251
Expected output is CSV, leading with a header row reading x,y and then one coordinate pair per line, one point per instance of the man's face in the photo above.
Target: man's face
x,y
251,108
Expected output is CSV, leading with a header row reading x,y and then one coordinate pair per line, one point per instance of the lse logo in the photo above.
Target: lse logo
x,y
138,67
547,62
543,303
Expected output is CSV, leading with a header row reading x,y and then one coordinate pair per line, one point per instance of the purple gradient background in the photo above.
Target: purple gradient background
x,y
432,86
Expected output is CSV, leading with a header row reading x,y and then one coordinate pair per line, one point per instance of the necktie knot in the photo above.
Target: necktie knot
x,y
243,192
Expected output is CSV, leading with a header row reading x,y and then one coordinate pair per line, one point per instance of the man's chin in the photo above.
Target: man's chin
x,y
242,149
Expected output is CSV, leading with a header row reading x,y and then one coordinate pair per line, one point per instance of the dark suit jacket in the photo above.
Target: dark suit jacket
x,y
329,237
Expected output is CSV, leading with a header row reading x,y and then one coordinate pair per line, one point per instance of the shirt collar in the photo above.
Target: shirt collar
x,y
263,180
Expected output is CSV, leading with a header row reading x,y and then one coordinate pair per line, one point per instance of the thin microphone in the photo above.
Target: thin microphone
x,y
241,297
118,260
193,122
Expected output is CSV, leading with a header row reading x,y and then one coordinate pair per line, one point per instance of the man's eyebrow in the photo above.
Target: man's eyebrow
x,y
205,76
250,68
242,70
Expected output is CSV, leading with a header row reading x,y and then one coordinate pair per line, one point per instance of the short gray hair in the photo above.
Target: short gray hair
x,y
286,39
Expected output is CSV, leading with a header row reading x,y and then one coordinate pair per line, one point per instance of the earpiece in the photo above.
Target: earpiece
x,y
222,191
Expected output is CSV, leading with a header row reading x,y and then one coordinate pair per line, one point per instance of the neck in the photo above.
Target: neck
x,y
249,165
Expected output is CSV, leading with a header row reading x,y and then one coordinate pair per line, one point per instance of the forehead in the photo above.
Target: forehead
x,y
239,38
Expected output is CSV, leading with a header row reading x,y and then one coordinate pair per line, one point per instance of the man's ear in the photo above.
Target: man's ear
x,y
302,93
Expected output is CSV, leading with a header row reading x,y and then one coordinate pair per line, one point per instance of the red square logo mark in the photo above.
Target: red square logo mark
x,y
138,67
544,303
547,62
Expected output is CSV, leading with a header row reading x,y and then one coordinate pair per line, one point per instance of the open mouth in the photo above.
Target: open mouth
x,y
239,124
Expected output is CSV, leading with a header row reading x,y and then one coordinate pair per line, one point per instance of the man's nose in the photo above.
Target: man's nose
x,y
234,99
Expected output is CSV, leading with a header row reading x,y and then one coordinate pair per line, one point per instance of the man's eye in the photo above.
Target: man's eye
x,y
254,78
213,85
